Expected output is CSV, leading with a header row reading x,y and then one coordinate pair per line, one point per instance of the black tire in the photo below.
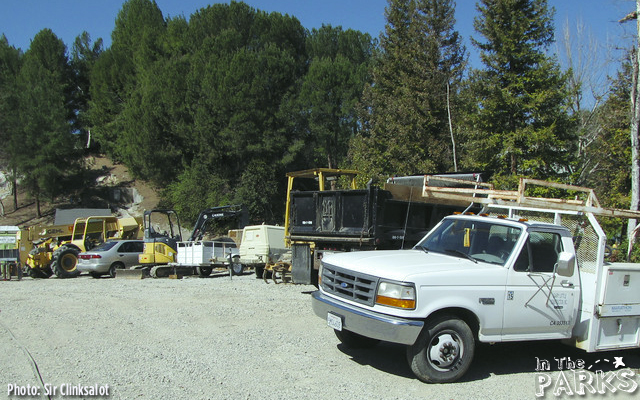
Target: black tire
x,y
236,268
64,262
444,350
203,272
113,268
38,273
259,271
95,275
355,341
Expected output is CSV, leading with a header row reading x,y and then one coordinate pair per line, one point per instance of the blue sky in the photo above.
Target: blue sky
x,y
20,20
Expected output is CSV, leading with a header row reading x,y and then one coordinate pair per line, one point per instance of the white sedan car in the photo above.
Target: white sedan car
x,y
106,258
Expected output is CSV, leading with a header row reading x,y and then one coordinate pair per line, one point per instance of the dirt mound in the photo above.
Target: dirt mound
x,y
113,188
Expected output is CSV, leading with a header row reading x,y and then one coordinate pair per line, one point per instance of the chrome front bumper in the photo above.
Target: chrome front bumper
x,y
367,323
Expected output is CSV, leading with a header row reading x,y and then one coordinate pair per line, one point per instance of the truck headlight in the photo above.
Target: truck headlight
x,y
396,295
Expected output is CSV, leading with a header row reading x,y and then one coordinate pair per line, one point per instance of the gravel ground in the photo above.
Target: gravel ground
x,y
222,338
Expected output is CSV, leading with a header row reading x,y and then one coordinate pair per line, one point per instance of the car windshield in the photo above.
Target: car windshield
x,y
104,246
476,240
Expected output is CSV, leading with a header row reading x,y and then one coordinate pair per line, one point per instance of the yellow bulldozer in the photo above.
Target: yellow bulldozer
x,y
54,249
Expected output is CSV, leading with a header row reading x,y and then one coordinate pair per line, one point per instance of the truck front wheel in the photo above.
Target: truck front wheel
x,y
354,340
443,351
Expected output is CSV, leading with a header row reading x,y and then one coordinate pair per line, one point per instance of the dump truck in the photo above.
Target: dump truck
x,y
320,222
523,269
54,249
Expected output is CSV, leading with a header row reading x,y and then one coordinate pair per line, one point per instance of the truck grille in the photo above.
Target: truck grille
x,y
349,285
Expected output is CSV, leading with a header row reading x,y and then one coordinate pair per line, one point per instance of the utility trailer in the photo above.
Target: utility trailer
x,y
202,257
196,256
396,216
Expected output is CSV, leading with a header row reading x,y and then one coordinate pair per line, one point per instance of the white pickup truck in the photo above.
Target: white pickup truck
x,y
490,278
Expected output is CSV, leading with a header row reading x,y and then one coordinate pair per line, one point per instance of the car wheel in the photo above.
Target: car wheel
x,y
443,351
114,267
354,340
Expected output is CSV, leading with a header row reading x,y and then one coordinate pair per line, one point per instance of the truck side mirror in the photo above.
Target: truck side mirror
x,y
566,264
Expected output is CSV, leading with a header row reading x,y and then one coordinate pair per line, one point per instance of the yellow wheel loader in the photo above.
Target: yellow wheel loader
x,y
55,249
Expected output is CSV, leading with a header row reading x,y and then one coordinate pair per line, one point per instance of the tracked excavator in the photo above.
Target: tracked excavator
x,y
162,239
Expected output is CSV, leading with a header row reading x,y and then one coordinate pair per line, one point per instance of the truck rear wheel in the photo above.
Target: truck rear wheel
x,y
354,340
64,262
443,351
203,272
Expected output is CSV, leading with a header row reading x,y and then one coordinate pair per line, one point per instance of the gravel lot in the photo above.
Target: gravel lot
x,y
222,338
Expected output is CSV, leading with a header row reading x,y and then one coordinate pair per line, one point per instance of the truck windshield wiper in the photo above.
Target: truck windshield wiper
x,y
423,248
460,253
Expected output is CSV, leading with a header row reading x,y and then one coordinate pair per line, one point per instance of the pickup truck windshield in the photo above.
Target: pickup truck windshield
x,y
477,240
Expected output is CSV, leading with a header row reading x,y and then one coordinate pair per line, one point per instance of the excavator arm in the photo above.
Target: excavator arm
x,y
217,213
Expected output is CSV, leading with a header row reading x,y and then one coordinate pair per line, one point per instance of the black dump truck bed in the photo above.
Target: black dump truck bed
x,y
368,218
374,218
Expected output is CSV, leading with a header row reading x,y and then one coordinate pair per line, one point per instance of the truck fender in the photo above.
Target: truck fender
x,y
463,308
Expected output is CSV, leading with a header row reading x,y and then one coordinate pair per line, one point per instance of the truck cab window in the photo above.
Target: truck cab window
x,y
484,241
540,253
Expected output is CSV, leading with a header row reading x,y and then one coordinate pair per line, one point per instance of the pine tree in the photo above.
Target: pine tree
x,y
116,79
10,61
49,149
339,63
84,55
405,119
518,123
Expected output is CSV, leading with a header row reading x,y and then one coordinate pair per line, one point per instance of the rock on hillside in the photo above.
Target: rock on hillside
x,y
114,188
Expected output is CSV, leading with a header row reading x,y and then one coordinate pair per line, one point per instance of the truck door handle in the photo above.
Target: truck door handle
x,y
566,284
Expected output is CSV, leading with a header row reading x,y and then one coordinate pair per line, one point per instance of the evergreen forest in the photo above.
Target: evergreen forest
x,y
217,108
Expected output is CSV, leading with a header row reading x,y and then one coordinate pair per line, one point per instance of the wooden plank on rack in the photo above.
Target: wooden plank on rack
x,y
508,198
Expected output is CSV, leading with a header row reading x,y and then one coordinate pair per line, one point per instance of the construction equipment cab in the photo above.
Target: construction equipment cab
x,y
161,236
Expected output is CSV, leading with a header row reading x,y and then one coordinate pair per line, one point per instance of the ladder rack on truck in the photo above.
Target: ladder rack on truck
x,y
609,315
